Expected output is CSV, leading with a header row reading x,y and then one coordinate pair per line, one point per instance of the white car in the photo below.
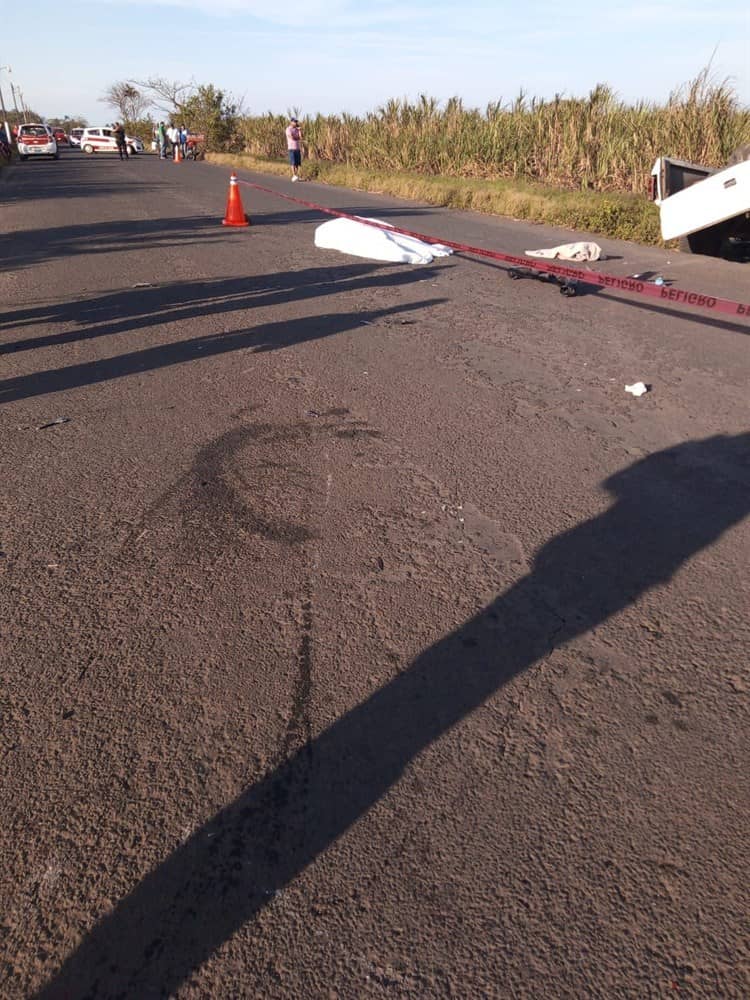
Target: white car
x,y
102,140
75,137
36,140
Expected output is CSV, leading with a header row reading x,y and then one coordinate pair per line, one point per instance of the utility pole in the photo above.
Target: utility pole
x,y
6,126
15,102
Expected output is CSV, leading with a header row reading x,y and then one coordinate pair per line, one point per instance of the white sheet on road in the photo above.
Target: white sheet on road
x,y
359,240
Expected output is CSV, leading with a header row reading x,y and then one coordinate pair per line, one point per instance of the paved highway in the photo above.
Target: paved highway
x,y
361,636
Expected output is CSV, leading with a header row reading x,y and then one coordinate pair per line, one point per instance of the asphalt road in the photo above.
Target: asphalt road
x,y
361,636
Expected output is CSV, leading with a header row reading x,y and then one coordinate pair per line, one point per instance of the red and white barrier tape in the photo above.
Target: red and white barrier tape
x,y
665,293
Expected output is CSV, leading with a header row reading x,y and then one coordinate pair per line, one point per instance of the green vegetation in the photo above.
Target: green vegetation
x,y
582,163
203,107
67,123
210,112
595,143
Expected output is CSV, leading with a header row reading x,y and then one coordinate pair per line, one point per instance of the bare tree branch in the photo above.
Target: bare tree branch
x,y
170,96
127,99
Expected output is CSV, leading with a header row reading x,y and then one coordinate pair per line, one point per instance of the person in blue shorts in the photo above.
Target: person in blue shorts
x,y
294,146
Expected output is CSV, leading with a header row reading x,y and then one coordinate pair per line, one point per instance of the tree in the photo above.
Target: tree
x,y
211,112
169,96
68,122
26,114
127,99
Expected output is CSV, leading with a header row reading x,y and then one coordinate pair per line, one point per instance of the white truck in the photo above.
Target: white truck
x,y
707,210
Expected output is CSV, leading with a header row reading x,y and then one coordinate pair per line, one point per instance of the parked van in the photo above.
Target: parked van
x,y
102,140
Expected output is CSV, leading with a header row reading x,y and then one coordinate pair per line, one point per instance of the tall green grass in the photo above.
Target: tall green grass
x,y
596,143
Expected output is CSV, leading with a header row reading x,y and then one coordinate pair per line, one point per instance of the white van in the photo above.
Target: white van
x,y
102,140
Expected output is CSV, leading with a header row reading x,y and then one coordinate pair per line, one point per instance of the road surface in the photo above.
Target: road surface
x,y
361,636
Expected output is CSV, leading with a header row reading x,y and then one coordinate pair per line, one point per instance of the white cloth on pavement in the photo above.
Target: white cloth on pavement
x,y
570,251
360,240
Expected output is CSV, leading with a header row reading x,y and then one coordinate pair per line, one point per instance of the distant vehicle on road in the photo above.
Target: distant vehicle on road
x,y
75,136
102,140
36,140
60,137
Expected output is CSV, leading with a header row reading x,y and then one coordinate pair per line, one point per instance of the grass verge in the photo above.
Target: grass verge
x,y
620,216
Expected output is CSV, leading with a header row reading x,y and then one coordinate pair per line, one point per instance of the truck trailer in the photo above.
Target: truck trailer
x,y
706,209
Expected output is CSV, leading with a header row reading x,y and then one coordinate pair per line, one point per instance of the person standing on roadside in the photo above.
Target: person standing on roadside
x,y
294,146
161,140
119,134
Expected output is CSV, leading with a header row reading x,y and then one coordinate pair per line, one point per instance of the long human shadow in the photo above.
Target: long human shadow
x,y
699,318
137,308
73,176
265,337
64,188
667,507
34,246
293,216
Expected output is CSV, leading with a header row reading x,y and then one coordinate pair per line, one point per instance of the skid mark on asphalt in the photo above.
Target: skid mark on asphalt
x,y
216,507
299,729
219,503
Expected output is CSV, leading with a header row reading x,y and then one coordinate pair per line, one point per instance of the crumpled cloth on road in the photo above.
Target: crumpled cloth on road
x,y
359,240
570,251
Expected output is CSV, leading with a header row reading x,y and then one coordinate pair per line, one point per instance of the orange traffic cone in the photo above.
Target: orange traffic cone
x,y
235,214
177,154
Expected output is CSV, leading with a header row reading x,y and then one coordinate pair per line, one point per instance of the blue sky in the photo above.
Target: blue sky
x,y
352,55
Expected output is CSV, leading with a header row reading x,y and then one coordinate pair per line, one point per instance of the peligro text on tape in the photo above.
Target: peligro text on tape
x,y
696,300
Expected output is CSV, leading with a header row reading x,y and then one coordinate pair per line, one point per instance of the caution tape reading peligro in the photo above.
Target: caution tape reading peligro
x,y
695,300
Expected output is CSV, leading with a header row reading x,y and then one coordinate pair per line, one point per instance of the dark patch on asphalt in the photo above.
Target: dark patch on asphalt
x,y
299,730
215,495
356,432
211,504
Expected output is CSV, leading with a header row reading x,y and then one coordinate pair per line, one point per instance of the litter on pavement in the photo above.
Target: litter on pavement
x,y
651,276
54,423
360,240
637,388
569,251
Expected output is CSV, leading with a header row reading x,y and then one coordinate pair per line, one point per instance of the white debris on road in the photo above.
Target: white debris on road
x,y
637,388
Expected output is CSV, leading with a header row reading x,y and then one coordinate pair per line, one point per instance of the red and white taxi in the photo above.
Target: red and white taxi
x,y
102,140
36,140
